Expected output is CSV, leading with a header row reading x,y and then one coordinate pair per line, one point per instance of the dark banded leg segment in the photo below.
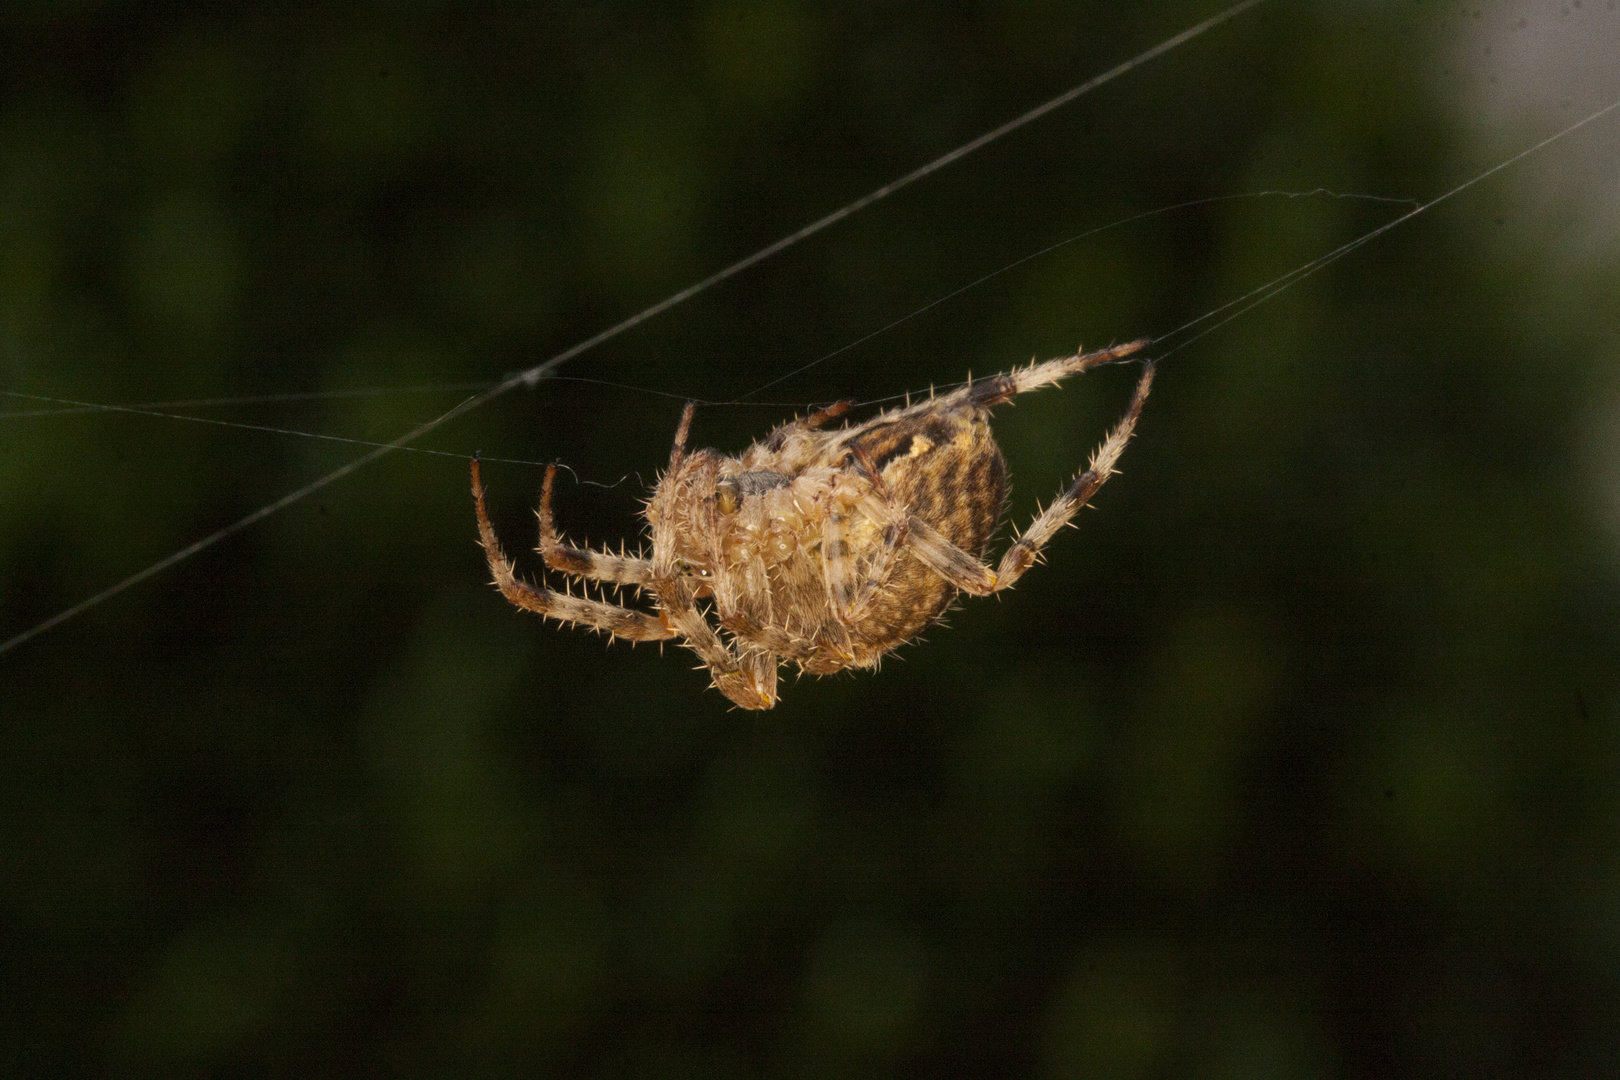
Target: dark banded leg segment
x,y
584,562
1000,389
1026,550
621,622
777,438
972,576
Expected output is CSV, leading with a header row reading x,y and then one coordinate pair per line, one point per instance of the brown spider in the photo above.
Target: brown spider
x,y
826,548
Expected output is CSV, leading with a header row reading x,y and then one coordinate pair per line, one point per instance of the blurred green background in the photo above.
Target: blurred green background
x,y
1300,759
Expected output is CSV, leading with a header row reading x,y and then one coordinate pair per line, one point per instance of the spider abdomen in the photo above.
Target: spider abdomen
x,y
946,469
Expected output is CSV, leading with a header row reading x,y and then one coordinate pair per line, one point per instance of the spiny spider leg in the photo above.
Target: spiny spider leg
x,y
723,575
728,606
950,562
849,599
585,562
774,638
745,685
1026,550
621,622
807,423
750,678
759,668
1000,389
735,616
663,553
972,576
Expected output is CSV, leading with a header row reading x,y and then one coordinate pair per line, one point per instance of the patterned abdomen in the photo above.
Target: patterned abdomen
x,y
947,470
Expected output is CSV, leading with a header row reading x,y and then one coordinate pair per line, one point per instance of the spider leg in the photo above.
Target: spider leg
x,y
770,638
774,441
972,576
1000,389
1026,550
849,598
621,622
584,562
731,583
759,666
663,553
682,431
736,617
745,681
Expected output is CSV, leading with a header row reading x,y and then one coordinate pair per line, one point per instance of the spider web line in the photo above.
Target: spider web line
x,y
1048,249
81,408
1257,296
1245,303
539,371
161,409
135,410
1260,294
74,407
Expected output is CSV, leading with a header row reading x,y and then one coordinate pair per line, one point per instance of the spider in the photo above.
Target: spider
x,y
824,547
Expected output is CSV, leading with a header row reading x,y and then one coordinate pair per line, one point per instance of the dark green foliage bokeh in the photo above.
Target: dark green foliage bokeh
x,y
1300,759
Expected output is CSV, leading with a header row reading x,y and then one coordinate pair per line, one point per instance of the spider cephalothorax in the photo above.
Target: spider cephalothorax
x,y
824,547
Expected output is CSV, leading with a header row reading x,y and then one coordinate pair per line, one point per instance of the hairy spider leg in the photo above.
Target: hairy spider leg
x,y
751,579
851,599
748,687
772,638
751,688
971,575
749,676
759,667
1026,550
774,441
1000,389
658,508
586,562
902,529
621,622
938,553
